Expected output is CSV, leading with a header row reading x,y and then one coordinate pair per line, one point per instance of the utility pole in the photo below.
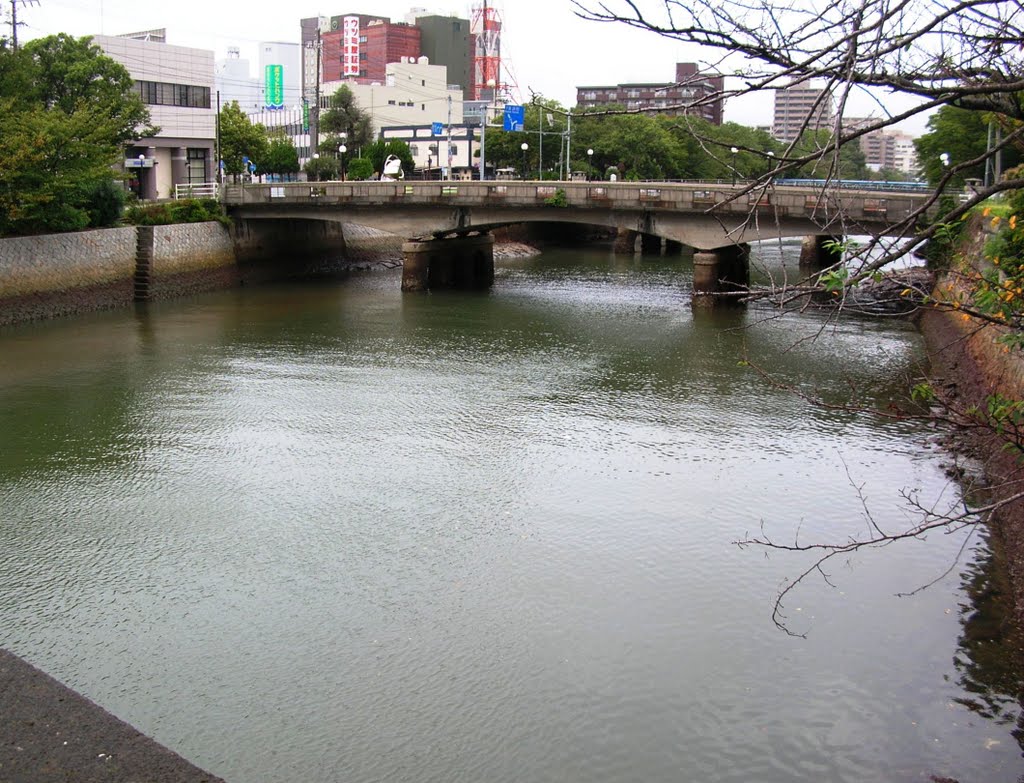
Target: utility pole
x,y
14,20
449,176
314,116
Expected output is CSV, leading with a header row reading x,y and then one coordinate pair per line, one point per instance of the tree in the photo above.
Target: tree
x,y
961,135
66,111
239,139
322,169
281,157
378,152
345,116
960,53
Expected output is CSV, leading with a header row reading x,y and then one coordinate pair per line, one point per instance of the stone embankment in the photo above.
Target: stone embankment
x,y
61,274
50,734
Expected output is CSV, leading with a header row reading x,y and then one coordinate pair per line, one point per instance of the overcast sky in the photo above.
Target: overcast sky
x,y
545,48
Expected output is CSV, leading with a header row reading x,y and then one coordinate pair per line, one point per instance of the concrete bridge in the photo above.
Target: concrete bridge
x,y
448,223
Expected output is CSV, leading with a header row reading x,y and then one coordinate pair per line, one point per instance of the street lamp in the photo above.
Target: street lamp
x,y
342,149
944,157
733,150
524,147
590,163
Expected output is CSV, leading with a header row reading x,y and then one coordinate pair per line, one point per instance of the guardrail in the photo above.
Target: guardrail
x,y
196,190
781,199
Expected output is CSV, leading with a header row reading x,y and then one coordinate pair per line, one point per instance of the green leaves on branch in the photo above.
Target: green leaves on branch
x,y
66,112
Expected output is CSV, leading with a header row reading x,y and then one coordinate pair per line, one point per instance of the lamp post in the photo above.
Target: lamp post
x,y
944,157
342,149
142,163
733,150
771,162
524,147
590,163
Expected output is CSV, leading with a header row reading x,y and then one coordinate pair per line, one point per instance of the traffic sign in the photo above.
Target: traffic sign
x,y
436,128
515,118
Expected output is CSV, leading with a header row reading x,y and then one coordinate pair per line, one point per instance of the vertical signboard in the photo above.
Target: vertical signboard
x,y
350,46
273,86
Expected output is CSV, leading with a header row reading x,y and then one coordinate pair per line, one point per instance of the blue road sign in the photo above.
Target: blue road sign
x,y
515,118
436,128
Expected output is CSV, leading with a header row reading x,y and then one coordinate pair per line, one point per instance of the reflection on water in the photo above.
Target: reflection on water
x,y
990,660
330,532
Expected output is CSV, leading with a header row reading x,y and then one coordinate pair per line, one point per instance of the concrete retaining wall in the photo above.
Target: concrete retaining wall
x,y
59,274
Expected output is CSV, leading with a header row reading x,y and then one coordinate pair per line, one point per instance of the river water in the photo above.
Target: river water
x,y
329,532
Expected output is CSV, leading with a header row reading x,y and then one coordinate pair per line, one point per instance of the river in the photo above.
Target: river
x,y
324,531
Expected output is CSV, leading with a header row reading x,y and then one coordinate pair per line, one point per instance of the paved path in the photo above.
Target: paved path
x,y
49,733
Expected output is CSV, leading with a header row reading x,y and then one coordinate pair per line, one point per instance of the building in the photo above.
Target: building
x,y
429,149
801,106
413,92
445,40
363,46
289,57
177,85
234,81
884,148
675,98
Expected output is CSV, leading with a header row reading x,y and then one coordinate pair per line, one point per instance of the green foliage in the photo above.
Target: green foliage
x,y
66,111
359,169
922,393
281,157
105,202
378,152
345,116
834,279
181,211
557,200
240,138
321,169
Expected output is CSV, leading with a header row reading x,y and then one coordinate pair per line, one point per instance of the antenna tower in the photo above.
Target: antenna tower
x,y
485,28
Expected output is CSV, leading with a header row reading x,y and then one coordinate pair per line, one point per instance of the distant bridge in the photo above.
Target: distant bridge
x,y
703,216
712,218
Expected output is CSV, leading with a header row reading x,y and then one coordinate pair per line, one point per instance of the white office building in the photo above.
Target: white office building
x,y
414,92
177,85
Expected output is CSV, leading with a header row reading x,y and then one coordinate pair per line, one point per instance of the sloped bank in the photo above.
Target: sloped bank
x,y
970,365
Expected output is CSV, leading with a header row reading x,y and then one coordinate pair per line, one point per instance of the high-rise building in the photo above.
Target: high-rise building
x,y
801,106
693,93
445,40
361,51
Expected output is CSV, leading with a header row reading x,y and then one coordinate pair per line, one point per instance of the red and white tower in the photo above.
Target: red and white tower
x,y
485,29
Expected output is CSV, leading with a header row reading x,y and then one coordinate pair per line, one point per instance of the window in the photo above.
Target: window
x,y
414,150
164,94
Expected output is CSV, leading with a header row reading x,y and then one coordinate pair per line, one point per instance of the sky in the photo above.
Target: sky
x,y
546,49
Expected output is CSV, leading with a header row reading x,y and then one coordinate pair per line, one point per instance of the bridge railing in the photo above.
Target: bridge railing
x,y
716,198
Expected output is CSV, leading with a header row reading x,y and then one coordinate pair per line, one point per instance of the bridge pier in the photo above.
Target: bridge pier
x,y
815,256
719,271
462,262
673,248
650,245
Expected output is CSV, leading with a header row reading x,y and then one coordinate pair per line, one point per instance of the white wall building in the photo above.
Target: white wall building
x,y
177,85
289,56
235,82
414,93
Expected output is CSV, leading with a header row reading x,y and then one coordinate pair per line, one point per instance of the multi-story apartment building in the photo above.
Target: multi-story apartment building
x,y
177,85
885,148
692,93
801,106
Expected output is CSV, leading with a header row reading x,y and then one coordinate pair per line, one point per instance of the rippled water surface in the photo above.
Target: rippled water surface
x,y
328,532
